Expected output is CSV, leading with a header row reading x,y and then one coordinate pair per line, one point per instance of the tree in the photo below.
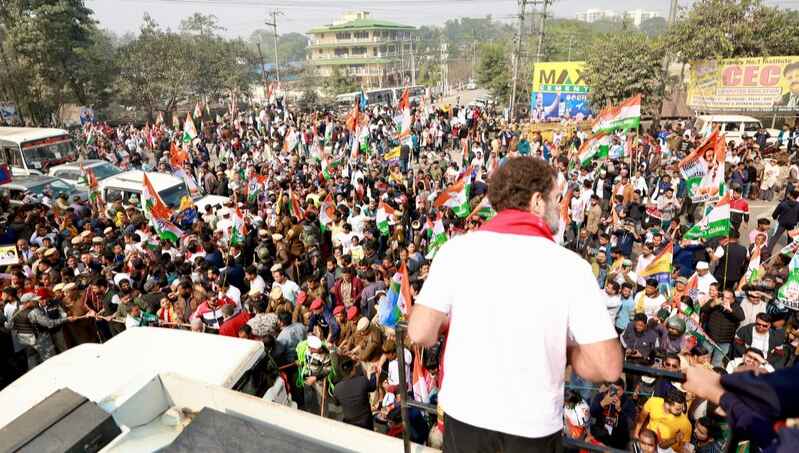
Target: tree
x,y
492,69
339,83
202,25
51,44
730,28
654,26
624,64
291,47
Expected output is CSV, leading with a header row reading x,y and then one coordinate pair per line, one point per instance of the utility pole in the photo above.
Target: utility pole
x,y
413,64
273,24
474,56
263,66
444,70
516,60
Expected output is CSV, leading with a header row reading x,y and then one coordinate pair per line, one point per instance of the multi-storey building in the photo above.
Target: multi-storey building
x,y
376,53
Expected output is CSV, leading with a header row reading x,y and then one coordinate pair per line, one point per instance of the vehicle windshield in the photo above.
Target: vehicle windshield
x,y
56,187
36,156
103,171
174,194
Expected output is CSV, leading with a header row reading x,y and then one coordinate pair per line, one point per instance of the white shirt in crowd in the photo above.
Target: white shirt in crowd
x,y
651,304
555,289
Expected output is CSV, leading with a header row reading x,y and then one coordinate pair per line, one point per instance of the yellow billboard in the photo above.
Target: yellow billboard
x,y
559,77
758,84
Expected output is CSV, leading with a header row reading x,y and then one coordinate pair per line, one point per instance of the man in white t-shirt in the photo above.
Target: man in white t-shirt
x,y
547,311
649,301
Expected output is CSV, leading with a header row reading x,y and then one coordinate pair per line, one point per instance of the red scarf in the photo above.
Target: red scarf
x,y
514,221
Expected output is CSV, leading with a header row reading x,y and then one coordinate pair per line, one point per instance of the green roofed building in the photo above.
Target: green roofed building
x,y
376,53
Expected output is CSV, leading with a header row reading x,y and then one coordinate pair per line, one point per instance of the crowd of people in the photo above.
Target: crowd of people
x,y
339,210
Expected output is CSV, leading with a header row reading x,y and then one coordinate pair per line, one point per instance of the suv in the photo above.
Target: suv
x,y
73,173
171,189
31,189
734,127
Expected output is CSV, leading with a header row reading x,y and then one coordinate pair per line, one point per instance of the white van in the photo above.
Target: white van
x,y
32,150
734,127
100,372
170,188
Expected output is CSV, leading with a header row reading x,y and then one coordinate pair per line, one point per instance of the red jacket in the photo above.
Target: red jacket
x,y
230,328
355,291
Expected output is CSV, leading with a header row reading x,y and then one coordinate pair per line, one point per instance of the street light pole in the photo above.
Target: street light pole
x,y
273,24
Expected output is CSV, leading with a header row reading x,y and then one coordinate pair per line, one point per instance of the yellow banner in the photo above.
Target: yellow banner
x,y
760,84
559,77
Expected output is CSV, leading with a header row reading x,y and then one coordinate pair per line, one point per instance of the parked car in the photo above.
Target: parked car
x,y
36,188
734,127
73,173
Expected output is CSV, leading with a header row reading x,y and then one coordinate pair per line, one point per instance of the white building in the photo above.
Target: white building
x,y
593,15
637,16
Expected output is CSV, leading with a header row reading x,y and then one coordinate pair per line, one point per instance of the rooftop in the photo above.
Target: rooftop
x,y
362,24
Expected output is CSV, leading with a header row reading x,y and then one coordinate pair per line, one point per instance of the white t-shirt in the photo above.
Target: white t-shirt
x,y
521,310
651,304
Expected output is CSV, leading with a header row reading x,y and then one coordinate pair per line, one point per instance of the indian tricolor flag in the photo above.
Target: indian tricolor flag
x,y
384,213
239,229
626,115
398,300
716,223
327,168
564,220
484,209
151,203
422,380
189,130
456,196
596,147
326,212
167,230
295,207
438,239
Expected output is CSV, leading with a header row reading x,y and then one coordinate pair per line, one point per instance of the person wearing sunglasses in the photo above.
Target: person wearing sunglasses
x,y
761,336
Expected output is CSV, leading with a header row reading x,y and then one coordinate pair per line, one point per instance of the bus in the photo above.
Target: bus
x,y
415,93
32,150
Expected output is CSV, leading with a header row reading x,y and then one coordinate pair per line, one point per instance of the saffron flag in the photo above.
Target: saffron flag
x,y
384,212
662,262
626,115
456,196
716,223
152,204
660,268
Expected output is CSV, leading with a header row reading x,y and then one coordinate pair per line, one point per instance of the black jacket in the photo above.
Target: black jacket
x,y
732,265
722,324
776,354
787,213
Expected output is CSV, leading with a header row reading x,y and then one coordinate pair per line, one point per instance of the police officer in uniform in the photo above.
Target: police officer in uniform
x,y
47,318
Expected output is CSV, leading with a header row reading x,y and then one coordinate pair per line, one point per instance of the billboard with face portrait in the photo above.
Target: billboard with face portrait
x,y
759,84
559,91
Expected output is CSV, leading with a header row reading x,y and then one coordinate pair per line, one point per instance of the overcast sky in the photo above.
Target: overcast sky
x,y
241,17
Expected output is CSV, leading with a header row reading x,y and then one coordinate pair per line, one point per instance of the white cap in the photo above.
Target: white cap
x,y
27,297
702,265
314,342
